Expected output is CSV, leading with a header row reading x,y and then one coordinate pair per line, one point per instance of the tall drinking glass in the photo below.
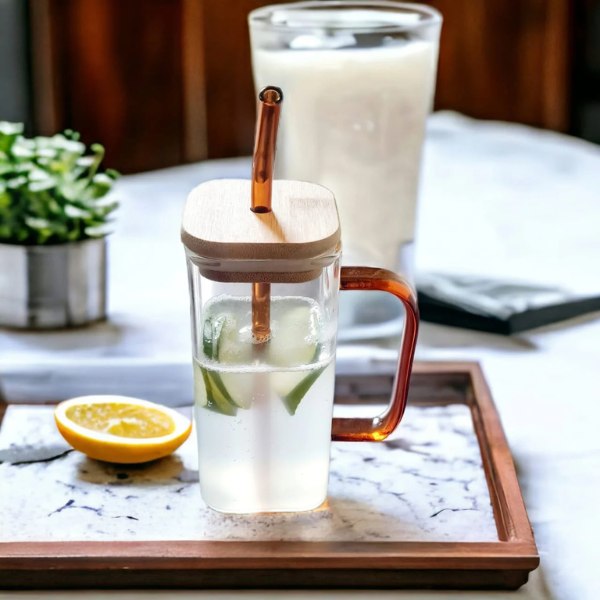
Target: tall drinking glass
x,y
359,78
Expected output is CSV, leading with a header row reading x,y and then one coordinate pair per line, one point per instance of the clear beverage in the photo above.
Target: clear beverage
x,y
263,411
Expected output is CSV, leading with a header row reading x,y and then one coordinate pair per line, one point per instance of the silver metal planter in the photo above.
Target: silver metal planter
x,y
49,287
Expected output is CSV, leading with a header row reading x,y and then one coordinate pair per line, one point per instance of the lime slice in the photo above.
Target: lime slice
x,y
293,399
294,343
221,342
239,387
209,395
283,382
295,338
219,397
211,334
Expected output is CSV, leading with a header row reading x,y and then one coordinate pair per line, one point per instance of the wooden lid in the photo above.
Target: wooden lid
x,y
218,223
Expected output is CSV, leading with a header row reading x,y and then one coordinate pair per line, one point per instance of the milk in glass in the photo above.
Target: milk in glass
x,y
354,122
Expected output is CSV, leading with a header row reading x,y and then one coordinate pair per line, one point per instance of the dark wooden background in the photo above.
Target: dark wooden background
x,y
164,82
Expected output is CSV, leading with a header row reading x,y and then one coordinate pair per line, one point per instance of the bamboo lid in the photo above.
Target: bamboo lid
x,y
218,223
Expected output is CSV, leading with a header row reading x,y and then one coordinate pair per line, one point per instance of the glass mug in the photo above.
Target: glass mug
x,y
264,414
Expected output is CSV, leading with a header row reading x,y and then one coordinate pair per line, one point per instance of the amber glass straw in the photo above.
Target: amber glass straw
x,y
269,107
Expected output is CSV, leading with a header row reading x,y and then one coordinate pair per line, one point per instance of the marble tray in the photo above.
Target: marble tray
x,y
435,505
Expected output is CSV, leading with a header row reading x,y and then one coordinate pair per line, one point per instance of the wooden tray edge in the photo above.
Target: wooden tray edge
x,y
34,565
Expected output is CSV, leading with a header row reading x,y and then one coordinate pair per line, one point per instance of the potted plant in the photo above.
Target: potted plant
x,y
54,218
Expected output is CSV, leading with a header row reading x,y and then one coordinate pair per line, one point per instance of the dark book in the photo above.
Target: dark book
x,y
496,306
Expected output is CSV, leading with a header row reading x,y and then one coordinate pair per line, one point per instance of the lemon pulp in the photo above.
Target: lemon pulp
x,y
123,420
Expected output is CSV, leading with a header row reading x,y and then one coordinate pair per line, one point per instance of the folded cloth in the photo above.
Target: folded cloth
x,y
504,307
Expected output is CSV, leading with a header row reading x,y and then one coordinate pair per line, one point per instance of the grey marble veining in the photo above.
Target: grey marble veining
x,y
425,483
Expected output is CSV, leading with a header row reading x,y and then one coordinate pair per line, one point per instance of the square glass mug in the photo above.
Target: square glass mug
x,y
264,413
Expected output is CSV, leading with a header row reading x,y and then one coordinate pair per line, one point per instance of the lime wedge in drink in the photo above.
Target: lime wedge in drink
x,y
292,400
295,343
229,349
283,382
220,394
207,394
215,330
239,388
287,356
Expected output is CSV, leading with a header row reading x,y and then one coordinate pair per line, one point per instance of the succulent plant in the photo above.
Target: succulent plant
x,y
51,191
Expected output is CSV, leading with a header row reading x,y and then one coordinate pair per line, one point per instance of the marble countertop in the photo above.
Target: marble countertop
x,y
424,483
498,200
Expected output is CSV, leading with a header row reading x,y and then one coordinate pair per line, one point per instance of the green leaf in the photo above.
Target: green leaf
x,y
101,185
43,236
4,232
36,223
16,182
85,161
103,210
42,142
73,190
44,184
22,235
71,146
54,207
19,151
25,167
98,231
72,135
37,174
26,143
103,179
7,128
6,168
46,153
74,235
76,213
9,133
97,149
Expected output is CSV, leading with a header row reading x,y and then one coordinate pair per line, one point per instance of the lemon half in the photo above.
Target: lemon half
x,y
121,429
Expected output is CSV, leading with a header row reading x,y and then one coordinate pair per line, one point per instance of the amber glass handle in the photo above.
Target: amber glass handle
x,y
370,430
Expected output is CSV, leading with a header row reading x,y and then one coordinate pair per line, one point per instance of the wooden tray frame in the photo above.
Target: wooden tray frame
x,y
504,564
